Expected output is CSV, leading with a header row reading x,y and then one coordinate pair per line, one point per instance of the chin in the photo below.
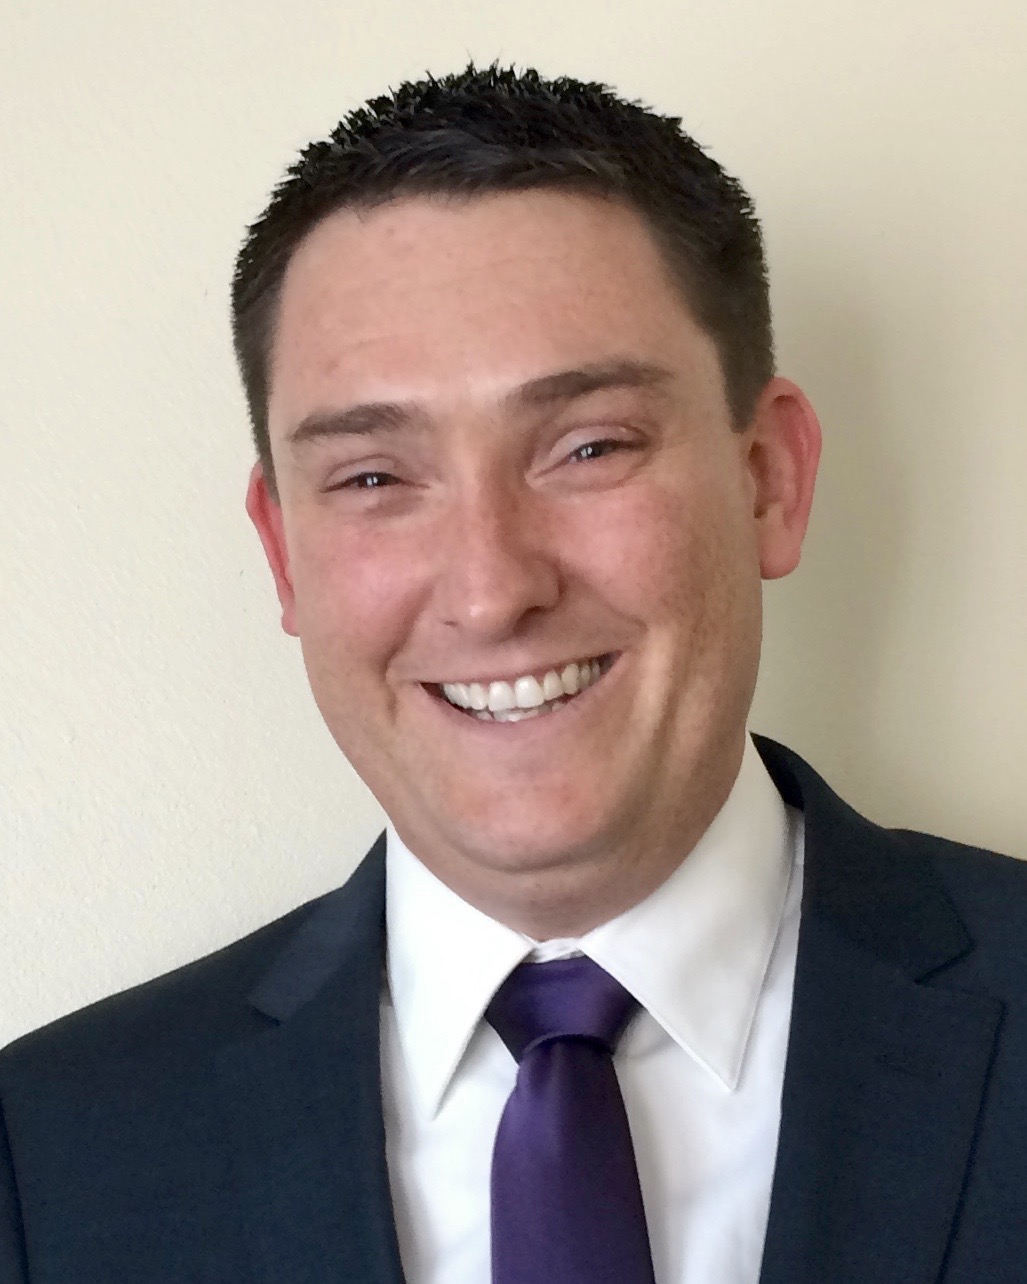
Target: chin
x,y
530,841
542,820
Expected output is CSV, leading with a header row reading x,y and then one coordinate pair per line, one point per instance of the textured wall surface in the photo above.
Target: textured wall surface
x,y
165,781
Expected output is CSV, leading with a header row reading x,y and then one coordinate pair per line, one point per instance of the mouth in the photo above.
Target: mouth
x,y
532,695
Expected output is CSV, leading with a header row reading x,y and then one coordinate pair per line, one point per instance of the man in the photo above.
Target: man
x,y
622,994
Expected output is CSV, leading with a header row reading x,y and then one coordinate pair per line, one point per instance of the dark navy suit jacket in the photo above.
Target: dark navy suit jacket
x,y
224,1123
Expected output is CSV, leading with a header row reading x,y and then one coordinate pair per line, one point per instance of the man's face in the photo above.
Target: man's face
x,y
504,455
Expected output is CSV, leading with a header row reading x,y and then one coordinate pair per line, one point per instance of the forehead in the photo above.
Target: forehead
x,y
442,300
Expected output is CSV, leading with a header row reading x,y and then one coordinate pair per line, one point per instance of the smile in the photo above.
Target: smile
x,y
528,696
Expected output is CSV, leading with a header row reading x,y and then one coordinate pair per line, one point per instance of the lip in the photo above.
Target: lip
x,y
527,726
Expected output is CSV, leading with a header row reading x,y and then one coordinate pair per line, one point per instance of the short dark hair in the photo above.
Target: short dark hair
x,y
494,130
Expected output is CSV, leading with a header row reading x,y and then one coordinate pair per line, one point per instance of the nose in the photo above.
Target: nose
x,y
496,566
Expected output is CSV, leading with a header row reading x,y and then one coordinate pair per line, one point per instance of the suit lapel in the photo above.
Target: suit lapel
x,y
302,1101
883,1085
886,1067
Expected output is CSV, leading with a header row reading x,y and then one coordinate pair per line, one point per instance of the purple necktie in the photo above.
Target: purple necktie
x,y
566,1204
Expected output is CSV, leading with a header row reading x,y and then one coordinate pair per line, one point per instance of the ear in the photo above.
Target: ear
x,y
265,513
783,454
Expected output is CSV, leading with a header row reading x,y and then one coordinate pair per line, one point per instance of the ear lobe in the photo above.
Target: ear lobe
x,y
784,452
265,513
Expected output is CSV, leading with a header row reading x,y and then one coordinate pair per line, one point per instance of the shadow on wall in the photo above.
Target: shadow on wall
x,y
831,629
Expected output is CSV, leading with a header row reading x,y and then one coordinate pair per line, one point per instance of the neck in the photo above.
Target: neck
x,y
567,894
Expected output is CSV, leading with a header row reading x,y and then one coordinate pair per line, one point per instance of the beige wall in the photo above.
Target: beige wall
x,y
165,783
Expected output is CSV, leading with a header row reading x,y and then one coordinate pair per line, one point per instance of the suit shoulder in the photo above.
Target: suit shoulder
x,y
171,1013
988,890
969,869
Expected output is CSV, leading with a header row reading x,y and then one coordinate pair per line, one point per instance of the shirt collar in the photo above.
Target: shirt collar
x,y
694,953
444,961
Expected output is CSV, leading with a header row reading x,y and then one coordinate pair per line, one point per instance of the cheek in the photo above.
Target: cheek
x,y
651,550
353,593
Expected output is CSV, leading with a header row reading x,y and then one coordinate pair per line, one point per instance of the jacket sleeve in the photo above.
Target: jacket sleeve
x,y
13,1266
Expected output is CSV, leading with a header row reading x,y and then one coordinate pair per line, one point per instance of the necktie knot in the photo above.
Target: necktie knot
x,y
565,998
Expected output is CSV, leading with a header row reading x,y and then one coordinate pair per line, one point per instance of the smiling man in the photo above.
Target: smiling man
x,y
503,455
622,994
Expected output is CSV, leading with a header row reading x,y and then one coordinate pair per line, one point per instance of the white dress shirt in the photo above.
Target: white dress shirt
x,y
710,956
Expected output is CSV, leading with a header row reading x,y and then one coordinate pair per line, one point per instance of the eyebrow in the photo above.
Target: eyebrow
x,y
599,376
544,392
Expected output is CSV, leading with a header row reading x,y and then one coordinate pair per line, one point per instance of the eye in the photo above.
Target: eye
x,y
597,449
375,480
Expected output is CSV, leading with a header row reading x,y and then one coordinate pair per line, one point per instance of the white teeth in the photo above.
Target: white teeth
x,y
552,687
525,695
528,693
515,715
501,696
456,693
